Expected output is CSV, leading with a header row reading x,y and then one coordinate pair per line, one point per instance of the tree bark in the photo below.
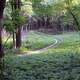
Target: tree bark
x,y
17,6
13,40
18,37
2,5
1,46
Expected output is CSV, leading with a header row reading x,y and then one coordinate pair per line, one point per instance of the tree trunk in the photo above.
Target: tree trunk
x,y
18,37
13,40
1,46
2,5
17,5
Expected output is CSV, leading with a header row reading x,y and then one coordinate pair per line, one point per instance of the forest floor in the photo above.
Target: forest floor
x,y
59,63
57,41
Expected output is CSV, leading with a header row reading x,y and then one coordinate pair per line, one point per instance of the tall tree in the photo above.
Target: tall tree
x,y
2,6
70,9
14,20
16,7
43,9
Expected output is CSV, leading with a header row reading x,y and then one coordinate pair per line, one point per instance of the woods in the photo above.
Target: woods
x,y
45,17
39,39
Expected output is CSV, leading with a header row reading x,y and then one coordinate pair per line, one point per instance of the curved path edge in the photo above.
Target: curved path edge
x,y
57,42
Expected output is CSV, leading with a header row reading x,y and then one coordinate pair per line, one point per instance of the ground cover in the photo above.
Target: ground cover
x,y
36,40
60,63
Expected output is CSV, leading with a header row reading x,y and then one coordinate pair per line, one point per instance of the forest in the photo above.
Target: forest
x,y
39,39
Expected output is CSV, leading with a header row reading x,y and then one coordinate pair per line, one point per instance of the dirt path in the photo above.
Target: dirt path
x,y
58,41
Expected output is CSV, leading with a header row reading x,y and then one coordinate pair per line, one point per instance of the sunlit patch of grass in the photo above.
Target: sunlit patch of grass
x,y
23,49
70,40
38,41
70,44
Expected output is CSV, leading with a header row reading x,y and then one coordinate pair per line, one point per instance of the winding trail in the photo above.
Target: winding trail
x,y
58,41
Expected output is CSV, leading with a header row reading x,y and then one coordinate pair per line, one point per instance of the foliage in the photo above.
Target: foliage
x,y
68,8
71,40
9,26
8,45
62,63
41,7
13,18
36,40
50,66
18,19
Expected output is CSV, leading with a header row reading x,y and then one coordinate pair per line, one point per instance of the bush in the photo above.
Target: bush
x,y
8,45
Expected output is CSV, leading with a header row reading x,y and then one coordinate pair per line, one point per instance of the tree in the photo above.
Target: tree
x,y
70,9
18,20
16,6
2,6
43,10
14,19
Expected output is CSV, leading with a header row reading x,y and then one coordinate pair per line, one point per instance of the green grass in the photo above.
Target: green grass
x,y
34,41
70,40
38,40
49,66
61,63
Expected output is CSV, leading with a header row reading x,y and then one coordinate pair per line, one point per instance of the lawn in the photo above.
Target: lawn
x,y
37,40
34,41
61,63
71,40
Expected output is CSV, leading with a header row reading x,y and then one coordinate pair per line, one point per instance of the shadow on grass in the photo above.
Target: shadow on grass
x,y
51,65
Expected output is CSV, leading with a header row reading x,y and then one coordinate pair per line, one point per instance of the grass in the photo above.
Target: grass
x,y
49,66
34,41
38,40
61,63
70,40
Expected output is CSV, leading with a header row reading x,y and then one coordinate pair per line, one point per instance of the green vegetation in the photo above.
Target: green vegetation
x,y
61,63
7,42
50,66
70,40
37,40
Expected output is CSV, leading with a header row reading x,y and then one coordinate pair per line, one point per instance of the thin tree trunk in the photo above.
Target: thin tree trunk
x,y
13,40
2,5
18,37
18,32
1,46
75,19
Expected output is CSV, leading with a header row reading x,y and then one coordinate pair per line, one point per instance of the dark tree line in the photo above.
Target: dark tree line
x,y
56,24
